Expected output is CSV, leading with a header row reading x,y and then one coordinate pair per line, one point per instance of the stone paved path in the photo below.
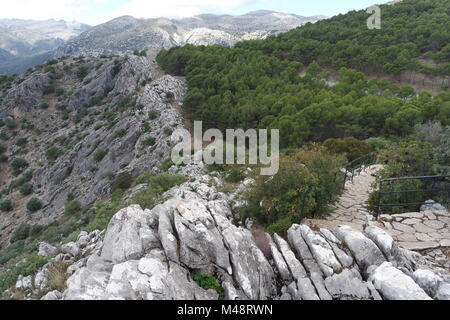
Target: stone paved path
x,y
420,231
350,209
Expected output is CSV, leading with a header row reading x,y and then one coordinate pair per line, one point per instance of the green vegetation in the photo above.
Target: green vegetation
x,y
19,165
207,282
6,205
34,205
243,88
307,182
26,189
52,154
410,30
425,153
99,155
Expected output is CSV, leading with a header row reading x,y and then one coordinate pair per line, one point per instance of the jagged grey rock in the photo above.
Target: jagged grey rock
x,y
381,238
322,251
47,250
345,286
295,266
443,292
363,249
428,281
395,285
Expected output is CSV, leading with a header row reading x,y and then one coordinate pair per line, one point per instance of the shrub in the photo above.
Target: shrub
x,y
34,205
44,106
21,142
6,205
235,175
2,148
120,133
149,142
19,165
57,276
72,208
26,189
152,115
82,72
351,147
53,153
207,282
99,155
21,233
123,182
167,164
304,186
29,266
10,123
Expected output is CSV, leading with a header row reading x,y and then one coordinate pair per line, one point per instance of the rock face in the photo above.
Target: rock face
x,y
120,111
151,254
126,34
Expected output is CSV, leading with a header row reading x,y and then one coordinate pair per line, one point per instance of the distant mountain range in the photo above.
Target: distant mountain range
x,y
26,43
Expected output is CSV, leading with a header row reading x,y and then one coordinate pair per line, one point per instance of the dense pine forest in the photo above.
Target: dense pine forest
x,y
260,84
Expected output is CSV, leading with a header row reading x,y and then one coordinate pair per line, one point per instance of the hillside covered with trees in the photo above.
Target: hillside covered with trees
x,y
410,30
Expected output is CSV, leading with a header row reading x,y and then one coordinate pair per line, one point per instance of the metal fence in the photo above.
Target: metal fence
x,y
357,166
438,186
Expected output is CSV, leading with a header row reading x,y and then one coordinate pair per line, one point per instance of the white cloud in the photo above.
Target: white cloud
x,y
180,8
89,11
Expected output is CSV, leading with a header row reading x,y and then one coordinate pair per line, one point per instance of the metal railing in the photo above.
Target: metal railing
x,y
429,189
357,166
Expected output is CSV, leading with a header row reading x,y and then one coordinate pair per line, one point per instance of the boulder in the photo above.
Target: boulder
x,y
432,205
345,286
363,249
395,285
128,236
71,249
428,281
52,296
443,292
47,250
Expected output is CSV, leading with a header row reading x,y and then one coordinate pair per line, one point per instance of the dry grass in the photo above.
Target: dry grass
x,y
57,276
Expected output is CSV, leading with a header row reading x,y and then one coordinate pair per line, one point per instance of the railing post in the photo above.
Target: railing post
x,y
379,200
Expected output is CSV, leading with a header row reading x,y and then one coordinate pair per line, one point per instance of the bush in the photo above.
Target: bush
x,y
152,115
21,233
123,182
99,155
149,142
19,165
72,208
351,147
29,266
235,175
207,282
167,164
53,153
2,148
82,72
21,142
6,205
305,185
120,133
26,189
34,205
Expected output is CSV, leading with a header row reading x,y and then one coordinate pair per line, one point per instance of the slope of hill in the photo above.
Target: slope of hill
x,y
73,125
410,30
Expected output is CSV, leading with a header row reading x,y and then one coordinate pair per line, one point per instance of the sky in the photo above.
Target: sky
x,y
94,12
